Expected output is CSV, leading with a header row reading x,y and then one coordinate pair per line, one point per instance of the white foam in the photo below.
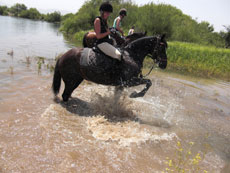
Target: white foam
x,y
124,133
57,120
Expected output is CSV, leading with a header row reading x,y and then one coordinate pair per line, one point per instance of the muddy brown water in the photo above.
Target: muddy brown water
x,y
100,130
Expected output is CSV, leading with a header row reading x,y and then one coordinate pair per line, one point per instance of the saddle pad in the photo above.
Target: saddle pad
x,y
96,60
84,61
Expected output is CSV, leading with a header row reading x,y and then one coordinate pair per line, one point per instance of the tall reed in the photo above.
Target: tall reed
x,y
204,61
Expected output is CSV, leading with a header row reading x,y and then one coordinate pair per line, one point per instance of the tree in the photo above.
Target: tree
x,y
153,18
3,10
53,17
17,9
227,36
32,13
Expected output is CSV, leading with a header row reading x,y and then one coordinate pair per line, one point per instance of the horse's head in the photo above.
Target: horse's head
x,y
159,52
119,40
135,36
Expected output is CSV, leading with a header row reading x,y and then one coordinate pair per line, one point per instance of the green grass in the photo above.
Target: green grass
x,y
198,60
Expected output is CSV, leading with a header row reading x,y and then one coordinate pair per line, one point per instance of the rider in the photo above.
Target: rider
x,y
118,20
102,32
131,31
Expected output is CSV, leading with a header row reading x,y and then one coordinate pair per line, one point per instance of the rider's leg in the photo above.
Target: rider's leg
x,y
109,50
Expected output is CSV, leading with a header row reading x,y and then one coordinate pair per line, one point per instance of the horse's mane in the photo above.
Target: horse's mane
x,y
139,42
136,34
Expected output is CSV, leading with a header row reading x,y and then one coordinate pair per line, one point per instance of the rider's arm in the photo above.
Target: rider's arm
x,y
97,28
118,27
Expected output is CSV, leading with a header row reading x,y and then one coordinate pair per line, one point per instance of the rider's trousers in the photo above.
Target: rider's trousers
x,y
109,50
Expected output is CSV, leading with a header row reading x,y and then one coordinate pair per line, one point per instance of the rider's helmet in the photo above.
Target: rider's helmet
x,y
123,11
106,6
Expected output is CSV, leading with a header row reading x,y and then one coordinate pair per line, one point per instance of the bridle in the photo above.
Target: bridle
x,y
154,55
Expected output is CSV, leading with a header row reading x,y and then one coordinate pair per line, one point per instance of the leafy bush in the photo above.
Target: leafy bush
x,y
53,17
32,13
153,18
17,9
3,10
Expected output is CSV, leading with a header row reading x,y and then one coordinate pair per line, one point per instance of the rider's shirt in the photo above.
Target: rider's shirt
x,y
131,31
115,22
104,27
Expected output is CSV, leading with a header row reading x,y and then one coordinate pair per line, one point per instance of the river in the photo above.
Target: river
x,y
181,120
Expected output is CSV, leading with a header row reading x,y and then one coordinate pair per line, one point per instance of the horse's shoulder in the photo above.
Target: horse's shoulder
x,y
76,49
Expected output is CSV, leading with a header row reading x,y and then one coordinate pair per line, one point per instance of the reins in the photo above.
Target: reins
x,y
143,76
154,59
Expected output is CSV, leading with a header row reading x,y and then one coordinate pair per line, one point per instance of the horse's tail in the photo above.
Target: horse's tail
x,y
84,40
56,79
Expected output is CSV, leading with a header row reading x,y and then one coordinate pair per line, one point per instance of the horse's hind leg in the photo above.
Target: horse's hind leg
x,y
119,89
70,86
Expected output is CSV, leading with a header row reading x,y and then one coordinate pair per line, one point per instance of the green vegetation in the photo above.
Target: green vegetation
x,y
185,160
153,18
20,10
53,17
32,13
204,61
3,10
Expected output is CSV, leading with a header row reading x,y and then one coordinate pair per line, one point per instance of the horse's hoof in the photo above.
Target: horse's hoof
x,y
65,99
56,99
135,94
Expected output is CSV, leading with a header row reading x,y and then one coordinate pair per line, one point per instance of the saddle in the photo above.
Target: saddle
x,y
96,60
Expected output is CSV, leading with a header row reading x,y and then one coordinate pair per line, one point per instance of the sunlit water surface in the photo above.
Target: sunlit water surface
x,y
100,130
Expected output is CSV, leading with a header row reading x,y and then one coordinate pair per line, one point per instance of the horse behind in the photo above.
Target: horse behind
x,y
109,71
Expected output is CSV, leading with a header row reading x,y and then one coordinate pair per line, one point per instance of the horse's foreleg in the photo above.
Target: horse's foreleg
x,y
139,81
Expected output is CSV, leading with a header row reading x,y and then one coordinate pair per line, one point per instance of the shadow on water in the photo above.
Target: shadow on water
x,y
115,108
76,106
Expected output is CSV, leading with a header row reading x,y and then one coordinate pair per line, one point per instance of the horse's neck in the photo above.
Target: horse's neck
x,y
138,50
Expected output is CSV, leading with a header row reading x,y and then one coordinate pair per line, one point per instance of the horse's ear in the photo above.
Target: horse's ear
x,y
145,33
163,40
163,37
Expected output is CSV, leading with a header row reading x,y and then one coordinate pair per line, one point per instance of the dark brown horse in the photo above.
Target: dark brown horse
x,y
106,70
89,38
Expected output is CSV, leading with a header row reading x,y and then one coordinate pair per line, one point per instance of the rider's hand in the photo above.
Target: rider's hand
x,y
113,30
122,33
108,32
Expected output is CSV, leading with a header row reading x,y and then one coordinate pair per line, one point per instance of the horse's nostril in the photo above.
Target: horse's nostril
x,y
163,64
